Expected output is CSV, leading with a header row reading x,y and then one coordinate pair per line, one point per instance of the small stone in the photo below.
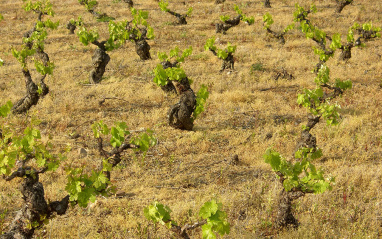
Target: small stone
x,y
82,152
268,136
235,160
120,194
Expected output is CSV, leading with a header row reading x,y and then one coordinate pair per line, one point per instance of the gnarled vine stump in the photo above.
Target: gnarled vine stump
x,y
267,3
99,60
142,48
341,4
130,3
180,113
35,208
31,98
284,216
71,27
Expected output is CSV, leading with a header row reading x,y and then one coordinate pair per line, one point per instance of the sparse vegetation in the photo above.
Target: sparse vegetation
x,y
249,110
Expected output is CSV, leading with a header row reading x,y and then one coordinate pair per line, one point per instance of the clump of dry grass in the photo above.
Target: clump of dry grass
x,y
247,112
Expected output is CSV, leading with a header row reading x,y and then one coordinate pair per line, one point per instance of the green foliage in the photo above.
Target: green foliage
x,y
162,76
368,27
216,219
158,213
301,175
78,22
211,211
83,188
117,132
249,20
145,141
163,6
118,34
312,32
289,27
222,54
22,55
105,18
201,98
140,18
300,13
174,53
43,6
5,109
268,20
315,101
89,4
44,69
86,36
37,38
1,17
27,147
224,18
336,41
189,11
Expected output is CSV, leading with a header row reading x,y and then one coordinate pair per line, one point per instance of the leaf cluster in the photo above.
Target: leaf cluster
x,y
211,211
249,20
162,76
83,188
78,22
43,6
163,6
302,175
268,21
26,148
315,101
174,53
222,54
300,14
216,219
140,19
201,98
89,4
376,31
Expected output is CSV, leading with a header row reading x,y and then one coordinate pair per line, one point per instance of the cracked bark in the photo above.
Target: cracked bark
x,y
100,59
267,4
142,48
35,208
284,216
180,113
71,27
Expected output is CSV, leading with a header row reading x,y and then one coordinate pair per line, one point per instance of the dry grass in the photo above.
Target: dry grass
x,y
188,168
